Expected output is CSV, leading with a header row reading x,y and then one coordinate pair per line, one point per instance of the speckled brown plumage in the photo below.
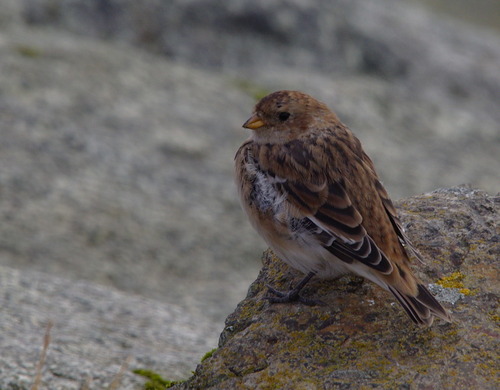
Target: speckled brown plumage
x,y
313,194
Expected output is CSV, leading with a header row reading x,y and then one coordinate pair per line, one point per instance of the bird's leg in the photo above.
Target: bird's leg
x,y
293,294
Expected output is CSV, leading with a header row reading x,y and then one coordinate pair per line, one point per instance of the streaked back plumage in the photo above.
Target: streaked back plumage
x,y
327,210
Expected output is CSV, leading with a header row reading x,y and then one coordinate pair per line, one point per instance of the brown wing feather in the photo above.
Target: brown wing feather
x,y
337,216
324,202
329,207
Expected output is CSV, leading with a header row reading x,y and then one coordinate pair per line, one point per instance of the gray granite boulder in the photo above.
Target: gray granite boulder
x,y
96,330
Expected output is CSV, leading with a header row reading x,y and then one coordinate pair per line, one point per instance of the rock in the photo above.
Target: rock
x,y
361,337
95,331
405,80
116,167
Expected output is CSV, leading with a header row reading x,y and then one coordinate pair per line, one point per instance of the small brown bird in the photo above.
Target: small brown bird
x,y
313,194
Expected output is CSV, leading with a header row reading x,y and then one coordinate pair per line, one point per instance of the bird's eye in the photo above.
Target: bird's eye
x,y
283,116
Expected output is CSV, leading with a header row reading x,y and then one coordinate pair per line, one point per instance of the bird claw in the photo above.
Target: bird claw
x,y
290,296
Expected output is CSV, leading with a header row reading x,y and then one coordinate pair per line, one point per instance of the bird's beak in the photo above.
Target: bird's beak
x,y
254,122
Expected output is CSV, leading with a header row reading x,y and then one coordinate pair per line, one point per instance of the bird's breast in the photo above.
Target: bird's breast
x,y
264,192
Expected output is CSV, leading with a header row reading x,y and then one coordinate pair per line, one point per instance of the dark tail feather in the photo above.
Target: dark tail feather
x,y
422,308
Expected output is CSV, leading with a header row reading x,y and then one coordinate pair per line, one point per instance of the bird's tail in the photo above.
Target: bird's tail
x,y
421,308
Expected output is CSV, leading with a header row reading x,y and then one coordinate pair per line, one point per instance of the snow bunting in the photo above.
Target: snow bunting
x,y
313,194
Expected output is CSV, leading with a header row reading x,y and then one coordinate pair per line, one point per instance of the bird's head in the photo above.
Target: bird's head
x,y
286,115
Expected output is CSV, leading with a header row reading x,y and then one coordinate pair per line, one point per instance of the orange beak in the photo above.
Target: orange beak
x,y
254,122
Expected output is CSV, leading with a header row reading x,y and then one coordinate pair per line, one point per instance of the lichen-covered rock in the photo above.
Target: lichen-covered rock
x,y
361,338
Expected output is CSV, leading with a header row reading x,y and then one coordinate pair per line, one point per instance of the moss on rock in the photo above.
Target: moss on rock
x,y
361,338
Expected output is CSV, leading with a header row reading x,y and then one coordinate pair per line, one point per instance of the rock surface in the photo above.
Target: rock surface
x,y
117,169
405,80
95,331
361,338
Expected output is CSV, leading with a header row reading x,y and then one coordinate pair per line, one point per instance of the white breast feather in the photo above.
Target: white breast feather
x,y
265,195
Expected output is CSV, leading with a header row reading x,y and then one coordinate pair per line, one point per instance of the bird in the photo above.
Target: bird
x,y
312,193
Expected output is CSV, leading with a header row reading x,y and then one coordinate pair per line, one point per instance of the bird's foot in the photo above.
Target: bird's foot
x,y
292,295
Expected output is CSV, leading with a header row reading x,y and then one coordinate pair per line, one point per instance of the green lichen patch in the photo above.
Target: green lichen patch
x,y
155,381
28,51
255,91
208,355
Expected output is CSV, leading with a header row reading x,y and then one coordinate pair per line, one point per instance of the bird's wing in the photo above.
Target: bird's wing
x,y
319,200
338,226
336,222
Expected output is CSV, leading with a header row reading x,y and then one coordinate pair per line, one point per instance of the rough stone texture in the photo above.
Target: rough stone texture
x,y
406,81
95,330
118,169
361,338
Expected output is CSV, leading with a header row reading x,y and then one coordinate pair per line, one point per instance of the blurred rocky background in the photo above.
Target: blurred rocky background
x,y
119,121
